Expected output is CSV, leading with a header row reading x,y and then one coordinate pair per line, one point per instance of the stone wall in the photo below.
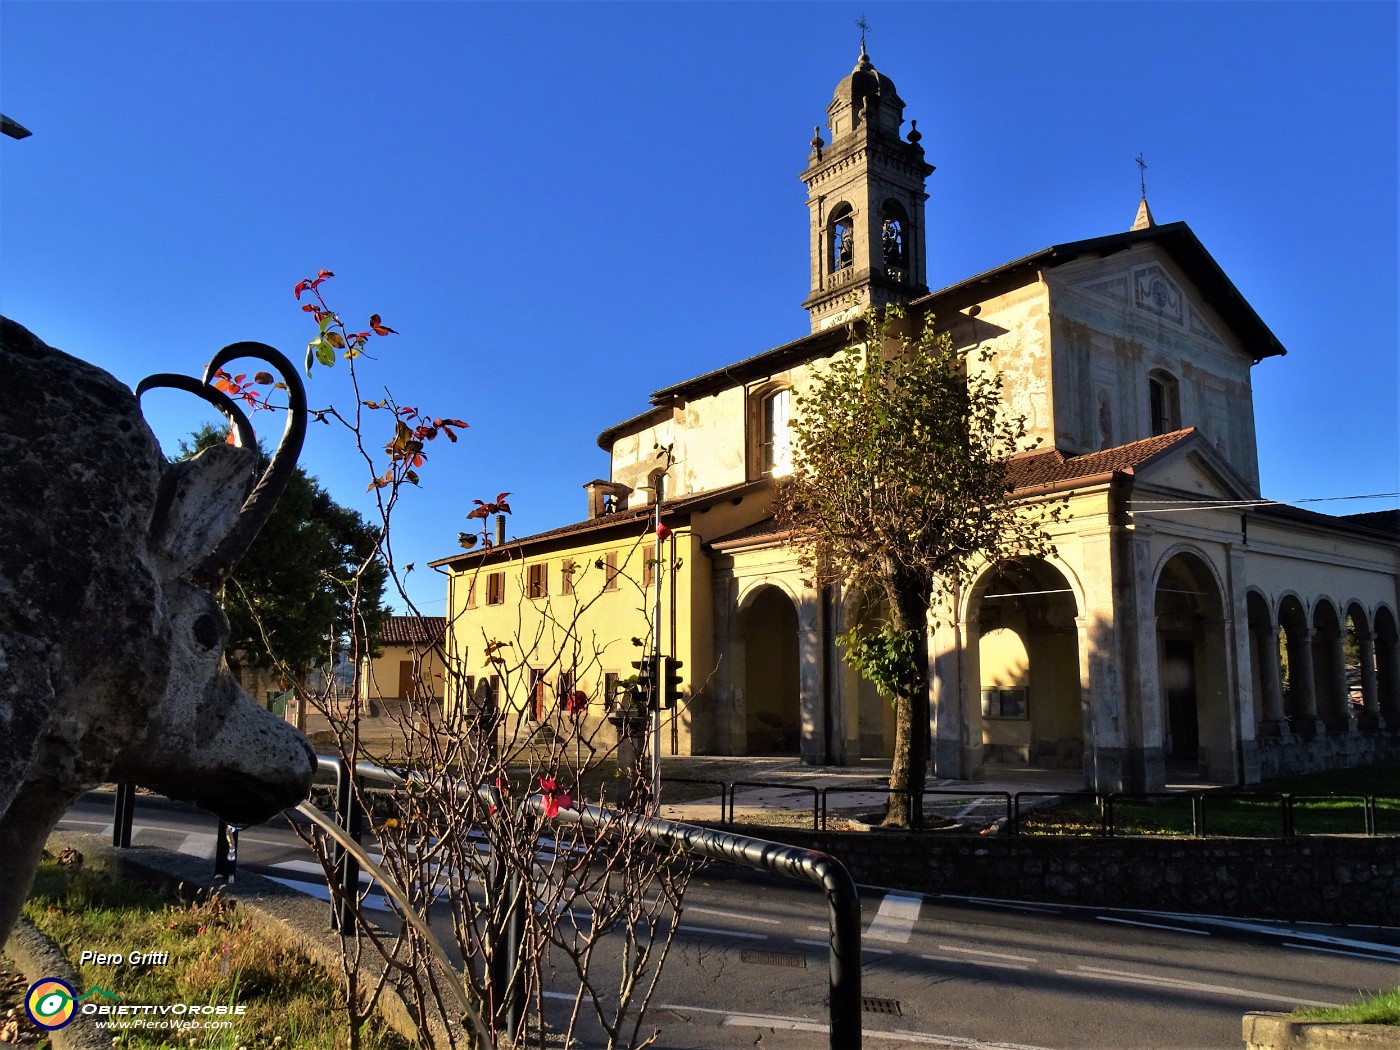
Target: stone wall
x,y
1335,880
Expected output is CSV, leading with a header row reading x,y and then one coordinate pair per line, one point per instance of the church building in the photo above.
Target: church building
x,y
1184,628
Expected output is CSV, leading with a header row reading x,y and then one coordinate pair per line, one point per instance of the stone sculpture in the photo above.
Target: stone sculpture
x,y
111,633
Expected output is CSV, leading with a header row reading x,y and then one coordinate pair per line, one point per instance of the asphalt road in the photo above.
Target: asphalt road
x,y
749,967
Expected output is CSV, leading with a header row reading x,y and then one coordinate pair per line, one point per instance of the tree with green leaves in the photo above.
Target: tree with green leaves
x,y
313,567
899,490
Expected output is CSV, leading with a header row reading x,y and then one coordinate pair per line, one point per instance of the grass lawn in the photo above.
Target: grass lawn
x,y
1323,804
1382,1008
216,956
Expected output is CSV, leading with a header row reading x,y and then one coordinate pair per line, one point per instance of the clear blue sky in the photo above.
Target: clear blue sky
x,y
562,207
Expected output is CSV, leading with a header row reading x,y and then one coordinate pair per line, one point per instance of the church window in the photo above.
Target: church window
x,y
777,436
843,238
1164,398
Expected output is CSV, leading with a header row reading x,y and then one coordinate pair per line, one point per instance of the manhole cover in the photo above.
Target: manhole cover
x,y
874,1005
793,959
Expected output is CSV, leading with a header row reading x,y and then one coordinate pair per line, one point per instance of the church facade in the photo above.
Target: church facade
x,y
1184,628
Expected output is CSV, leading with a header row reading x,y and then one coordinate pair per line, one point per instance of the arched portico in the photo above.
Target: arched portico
x,y
1023,701
1265,668
1193,656
1387,668
1329,668
770,672
870,717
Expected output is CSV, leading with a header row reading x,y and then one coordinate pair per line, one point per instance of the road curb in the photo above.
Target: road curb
x,y
38,957
1275,1031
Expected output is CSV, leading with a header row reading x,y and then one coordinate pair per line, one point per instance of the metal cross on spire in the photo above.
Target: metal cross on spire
x,y
1142,175
864,28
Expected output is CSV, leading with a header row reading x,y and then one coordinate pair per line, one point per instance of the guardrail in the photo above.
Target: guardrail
x,y
1012,807
824,871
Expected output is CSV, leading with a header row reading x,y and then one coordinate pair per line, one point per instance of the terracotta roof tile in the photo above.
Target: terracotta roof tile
x,y
413,630
1034,470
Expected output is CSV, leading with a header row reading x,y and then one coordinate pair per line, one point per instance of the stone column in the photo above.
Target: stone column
x,y
1370,693
1266,653
1340,719
1301,685
948,680
1388,682
810,670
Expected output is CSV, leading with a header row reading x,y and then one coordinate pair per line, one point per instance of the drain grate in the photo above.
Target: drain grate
x,y
793,959
874,1005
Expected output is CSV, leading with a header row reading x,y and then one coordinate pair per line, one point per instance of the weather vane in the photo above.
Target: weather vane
x,y
1142,175
864,27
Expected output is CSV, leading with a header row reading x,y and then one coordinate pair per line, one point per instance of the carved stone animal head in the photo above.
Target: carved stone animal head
x,y
111,633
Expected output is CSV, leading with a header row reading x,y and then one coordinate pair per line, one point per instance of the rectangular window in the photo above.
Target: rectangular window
x,y
564,688
610,571
566,576
611,689
777,438
537,582
648,568
1005,703
496,588
471,591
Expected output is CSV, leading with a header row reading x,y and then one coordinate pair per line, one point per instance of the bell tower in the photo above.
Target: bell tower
x,y
865,196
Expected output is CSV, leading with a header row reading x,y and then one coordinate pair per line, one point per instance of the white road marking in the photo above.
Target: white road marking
x,y
1157,980
993,955
1333,951
199,845
827,944
1042,909
373,902
895,919
686,927
1152,925
688,908
975,962
802,1024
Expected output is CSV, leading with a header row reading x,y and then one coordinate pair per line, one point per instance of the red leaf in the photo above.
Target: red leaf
x,y
662,531
265,378
301,287
379,327
323,274
307,308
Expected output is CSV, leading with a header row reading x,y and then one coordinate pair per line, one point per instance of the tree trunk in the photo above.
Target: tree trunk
x,y
909,600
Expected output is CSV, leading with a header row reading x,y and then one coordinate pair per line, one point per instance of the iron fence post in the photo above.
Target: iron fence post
x,y
226,853
347,869
123,812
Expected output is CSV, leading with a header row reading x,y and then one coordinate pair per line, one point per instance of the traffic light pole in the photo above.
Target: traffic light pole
x,y
656,686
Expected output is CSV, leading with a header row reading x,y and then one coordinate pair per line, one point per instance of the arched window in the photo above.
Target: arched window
x,y
1164,399
775,417
894,236
843,238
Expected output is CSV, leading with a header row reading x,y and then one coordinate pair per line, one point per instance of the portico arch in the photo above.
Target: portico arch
x,y
772,700
1022,628
871,715
1388,667
1359,650
1329,668
1265,667
1192,655
1296,652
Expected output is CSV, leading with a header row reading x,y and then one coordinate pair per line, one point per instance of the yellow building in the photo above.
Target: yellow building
x,y
1147,647
409,665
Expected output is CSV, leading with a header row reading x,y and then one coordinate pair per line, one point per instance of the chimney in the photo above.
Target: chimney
x,y
606,497
500,530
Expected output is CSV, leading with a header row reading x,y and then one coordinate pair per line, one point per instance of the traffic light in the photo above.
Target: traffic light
x,y
671,683
644,692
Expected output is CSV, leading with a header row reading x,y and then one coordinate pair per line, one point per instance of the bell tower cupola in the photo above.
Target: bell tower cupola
x,y
865,196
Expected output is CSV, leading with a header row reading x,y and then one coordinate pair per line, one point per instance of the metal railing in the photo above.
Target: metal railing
x,y
504,977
